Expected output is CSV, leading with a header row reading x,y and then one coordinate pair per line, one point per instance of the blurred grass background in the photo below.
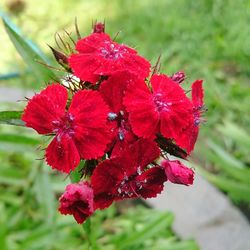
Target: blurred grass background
x,y
208,39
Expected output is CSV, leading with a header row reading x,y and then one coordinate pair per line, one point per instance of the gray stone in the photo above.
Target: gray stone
x,y
205,214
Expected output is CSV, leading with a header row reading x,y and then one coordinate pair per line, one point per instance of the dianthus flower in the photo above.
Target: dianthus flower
x,y
128,175
77,200
164,110
80,131
99,56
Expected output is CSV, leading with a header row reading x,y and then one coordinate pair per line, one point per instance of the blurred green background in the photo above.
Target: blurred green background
x,y
208,39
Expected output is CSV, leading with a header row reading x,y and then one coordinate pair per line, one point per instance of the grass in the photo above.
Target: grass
x,y
208,39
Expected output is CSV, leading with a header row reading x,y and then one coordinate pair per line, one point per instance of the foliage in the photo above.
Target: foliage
x,y
231,162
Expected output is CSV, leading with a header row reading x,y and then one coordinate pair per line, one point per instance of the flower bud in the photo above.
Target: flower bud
x,y
61,58
78,201
178,77
177,173
99,27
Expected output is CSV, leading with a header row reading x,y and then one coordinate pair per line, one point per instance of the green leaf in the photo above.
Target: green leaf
x,y
44,194
158,223
235,132
3,231
11,118
30,53
75,176
19,139
172,244
225,156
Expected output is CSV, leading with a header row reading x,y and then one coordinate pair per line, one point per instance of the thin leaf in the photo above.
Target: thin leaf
x,y
19,139
11,118
236,133
30,53
75,176
158,224
229,159
3,231
45,195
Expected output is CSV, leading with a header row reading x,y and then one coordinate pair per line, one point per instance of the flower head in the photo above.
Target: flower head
x,y
99,56
165,110
75,128
128,175
77,200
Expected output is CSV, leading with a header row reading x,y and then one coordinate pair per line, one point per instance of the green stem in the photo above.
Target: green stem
x,y
87,229
75,176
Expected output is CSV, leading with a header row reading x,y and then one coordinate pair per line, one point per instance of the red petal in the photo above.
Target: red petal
x,y
112,90
84,66
92,42
137,64
93,144
62,154
121,145
140,154
152,182
91,130
197,93
46,107
188,137
142,115
106,176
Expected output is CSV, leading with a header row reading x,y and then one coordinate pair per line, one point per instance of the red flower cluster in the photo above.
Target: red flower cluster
x,y
118,119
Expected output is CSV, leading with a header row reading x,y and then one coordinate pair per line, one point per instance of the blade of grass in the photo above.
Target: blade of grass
x,y
11,118
30,53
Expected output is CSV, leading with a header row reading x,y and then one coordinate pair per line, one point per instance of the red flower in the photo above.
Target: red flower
x,y
100,56
80,132
177,173
112,91
78,201
190,134
128,176
165,110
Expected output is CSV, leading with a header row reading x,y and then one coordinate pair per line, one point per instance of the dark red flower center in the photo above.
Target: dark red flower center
x,y
81,206
161,105
130,185
112,51
64,125
122,123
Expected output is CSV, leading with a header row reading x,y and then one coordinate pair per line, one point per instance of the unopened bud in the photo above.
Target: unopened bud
x,y
99,27
61,58
178,77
